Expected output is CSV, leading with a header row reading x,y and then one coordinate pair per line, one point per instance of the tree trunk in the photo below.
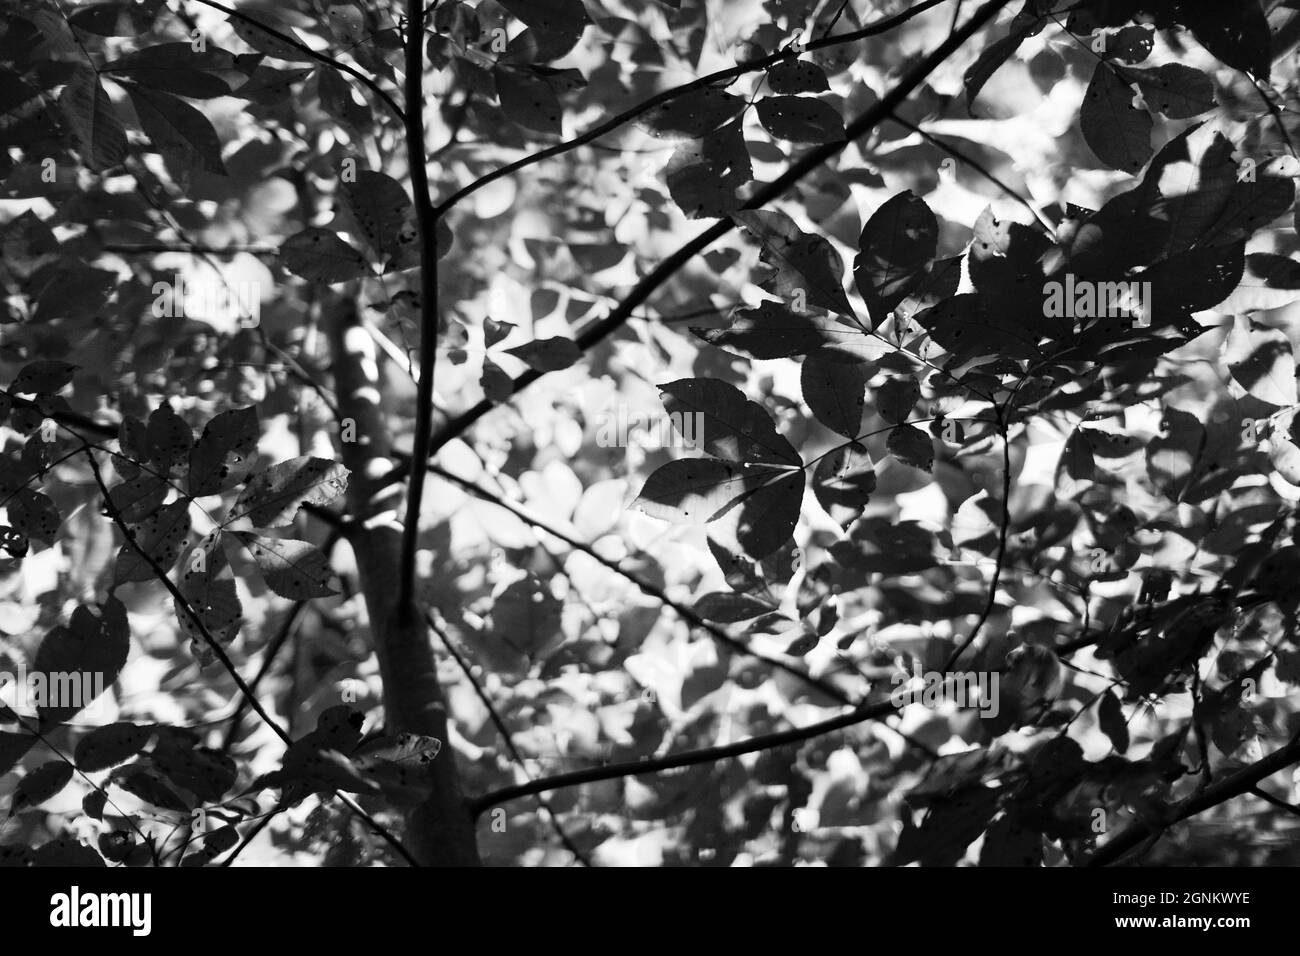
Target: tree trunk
x,y
440,831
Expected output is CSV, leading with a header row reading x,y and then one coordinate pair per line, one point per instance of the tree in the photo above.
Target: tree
x,y
547,431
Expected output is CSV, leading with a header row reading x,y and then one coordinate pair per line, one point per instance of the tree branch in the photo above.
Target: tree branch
x,y
881,110
648,588
427,221
1234,785
731,73
506,738
858,715
356,74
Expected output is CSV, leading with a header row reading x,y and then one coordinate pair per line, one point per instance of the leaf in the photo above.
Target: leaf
x,y
13,747
160,537
693,114
34,514
734,428
727,607
99,134
319,255
110,745
843,482
1270,281
895,250
257,35
965,328
700,490
339,100
93,804
178,130
139,497
558,23
84,658
528,100
1176,90
896,398
41,784
168,440
397,748
950,825
769,515
208,774
271,498
1117,131
1008,842
379,205
292,569
835,391
121,18
977,523
526,615
66,852
911,446
548,355
268,86
1110,717
496,384
800,119
44,377
993,56
1261,362
1237,33
807,267
797,76
773,331
1080,464
179,69
1284,446
208,584
224,452
703,175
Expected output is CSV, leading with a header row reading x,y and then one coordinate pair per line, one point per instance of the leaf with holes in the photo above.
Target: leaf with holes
x,y
693,114
208,584
1175,90
224,452
319,255
167,439
44,377
41,784
801,119
271,498
160,537
797,76
528,100
911,446
139,497
292,569
1116,130
110,745
380,207
258,34
34,514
